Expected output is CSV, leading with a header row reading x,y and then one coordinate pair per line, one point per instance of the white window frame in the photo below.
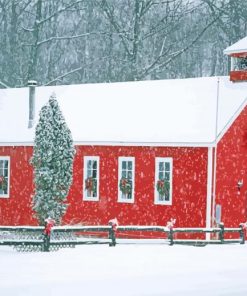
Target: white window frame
x,y
86,159
120,194
2,195
157,201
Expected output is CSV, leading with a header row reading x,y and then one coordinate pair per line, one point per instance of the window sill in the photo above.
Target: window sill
x,y
4,196
163,203
128,201
90,199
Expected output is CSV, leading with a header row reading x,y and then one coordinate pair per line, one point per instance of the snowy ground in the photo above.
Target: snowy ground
x,y
126,270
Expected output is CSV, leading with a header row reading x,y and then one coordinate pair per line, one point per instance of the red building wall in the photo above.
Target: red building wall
x,y
232,167
16,210
189,188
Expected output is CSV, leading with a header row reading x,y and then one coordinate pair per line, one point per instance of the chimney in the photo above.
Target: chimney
x,y
31,84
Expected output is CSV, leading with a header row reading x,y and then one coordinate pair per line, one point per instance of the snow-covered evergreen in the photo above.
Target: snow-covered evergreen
x,y
53,163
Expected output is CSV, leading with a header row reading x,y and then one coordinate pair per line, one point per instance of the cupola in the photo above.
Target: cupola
x,y
238,55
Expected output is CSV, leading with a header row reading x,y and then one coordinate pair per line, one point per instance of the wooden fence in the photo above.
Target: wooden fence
x,y
32,238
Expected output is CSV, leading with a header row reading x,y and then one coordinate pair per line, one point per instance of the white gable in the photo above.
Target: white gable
x,y
238,47
165,112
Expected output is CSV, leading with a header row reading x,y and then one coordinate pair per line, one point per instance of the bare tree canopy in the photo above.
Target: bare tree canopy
x,y
87,41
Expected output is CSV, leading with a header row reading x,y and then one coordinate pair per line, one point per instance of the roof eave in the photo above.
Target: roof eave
x,y
112,143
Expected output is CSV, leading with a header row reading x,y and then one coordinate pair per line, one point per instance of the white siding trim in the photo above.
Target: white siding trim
x,y
209,191
6,158
120,160
125,144
231,121
85,197
156,197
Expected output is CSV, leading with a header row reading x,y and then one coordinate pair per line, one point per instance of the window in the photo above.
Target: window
x,y
91,178
163,181
126,179
4,176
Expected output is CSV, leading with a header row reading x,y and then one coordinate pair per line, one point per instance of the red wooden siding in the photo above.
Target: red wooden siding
x,y
232,167
238,75
189,187
16,210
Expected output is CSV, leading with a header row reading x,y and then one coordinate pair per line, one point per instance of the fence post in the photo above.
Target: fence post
x,y
112,236
112,231
170,236
46,245
242,234
49,223
222,232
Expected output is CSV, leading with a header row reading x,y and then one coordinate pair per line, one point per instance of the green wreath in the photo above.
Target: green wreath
x,y
91,184
163,187
125,185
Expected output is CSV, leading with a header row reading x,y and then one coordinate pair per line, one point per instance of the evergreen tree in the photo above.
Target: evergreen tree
x,y
53,163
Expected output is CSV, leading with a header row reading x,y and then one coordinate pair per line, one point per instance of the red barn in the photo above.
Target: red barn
x,y
145,151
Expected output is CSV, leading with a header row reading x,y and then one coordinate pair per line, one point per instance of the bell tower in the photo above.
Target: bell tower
x,y
238,55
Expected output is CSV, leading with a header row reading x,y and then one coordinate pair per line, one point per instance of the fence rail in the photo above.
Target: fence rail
x,y
64,236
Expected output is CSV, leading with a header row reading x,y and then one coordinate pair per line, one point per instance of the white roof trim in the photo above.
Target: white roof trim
x,y
238,47
230,122
134,144
228,52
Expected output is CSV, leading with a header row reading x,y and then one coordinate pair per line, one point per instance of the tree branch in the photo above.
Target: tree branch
x,y
4,84
105,6
69,37
59,11
174,55
72,72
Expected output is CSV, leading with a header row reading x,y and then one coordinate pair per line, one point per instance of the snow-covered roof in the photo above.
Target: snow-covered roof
x,y
238,47
179,112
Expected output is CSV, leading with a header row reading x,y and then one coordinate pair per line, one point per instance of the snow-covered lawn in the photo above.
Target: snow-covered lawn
x,y
126,270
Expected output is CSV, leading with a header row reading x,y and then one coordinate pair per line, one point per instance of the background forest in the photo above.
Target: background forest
x,y
86,41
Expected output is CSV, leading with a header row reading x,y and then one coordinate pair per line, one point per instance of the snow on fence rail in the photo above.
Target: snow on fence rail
x,y
26,237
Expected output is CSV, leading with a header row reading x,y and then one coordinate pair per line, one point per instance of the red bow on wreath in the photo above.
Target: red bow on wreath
x,y
89,184
161,183
125,185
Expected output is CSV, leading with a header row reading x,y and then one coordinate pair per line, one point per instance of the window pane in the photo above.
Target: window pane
x,y
6,164
130,175
94,164
167,176
94,174
129,165
1,164
89,164
161,175
124,174
167,165
167,194
89,173
161,166
124,167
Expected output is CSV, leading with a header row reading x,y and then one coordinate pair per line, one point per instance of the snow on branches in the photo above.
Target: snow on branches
x,y
53,163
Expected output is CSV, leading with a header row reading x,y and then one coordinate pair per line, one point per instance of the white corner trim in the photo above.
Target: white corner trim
x,y
231,121
209,190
